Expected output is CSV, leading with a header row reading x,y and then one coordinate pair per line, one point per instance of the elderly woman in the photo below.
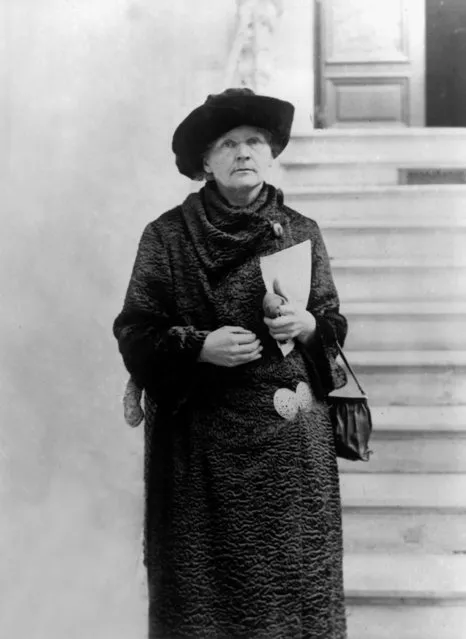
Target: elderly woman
x,y
243,517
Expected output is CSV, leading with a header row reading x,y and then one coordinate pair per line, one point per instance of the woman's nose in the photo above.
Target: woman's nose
x,y
243,150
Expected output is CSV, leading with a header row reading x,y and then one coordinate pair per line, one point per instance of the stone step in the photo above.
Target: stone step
x,y
393,619
403,596
386,280
414,452
395,530
433,578
412,146
307,173
375,207
411,378
415,439
408,358
361,490
422,419
406,325
423,243
425,206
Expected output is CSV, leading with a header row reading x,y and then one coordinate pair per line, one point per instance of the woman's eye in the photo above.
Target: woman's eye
x,y
254,141
229,144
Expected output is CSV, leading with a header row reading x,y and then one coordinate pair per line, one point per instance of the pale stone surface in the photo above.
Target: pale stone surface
x,y
392,531
411,622
365,30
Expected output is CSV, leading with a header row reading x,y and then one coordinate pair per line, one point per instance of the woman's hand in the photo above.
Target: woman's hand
x,y
230,346
294,322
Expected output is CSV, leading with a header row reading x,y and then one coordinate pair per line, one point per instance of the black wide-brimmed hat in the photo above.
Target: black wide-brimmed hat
x,y
225,111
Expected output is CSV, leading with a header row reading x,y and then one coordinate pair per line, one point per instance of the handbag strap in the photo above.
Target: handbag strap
x,y
348,366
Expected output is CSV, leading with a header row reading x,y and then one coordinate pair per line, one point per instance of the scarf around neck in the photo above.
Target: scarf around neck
x,y
224,235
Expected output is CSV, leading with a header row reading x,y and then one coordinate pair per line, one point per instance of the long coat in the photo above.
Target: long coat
x,y
243,517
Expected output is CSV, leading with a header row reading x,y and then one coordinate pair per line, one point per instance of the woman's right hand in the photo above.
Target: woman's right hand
x,y
230,346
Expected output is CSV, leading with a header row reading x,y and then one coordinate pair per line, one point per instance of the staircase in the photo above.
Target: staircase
x,y
392,209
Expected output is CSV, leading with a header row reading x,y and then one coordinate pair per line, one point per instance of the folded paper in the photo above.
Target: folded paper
x,y
292,269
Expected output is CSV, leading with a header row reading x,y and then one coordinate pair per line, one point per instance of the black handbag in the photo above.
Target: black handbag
x,y
351,419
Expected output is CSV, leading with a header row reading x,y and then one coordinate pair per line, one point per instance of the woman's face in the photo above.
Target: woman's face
x,y
239,160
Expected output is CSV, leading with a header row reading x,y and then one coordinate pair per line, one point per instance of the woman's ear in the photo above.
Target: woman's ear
x,y
206,165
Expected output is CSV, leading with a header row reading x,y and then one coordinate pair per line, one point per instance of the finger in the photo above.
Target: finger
x,y
287,309
281,322
288,330
238,329
247,349
244,359
235,330
244,338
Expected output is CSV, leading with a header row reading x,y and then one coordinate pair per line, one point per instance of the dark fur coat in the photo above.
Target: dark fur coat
x,y
243,518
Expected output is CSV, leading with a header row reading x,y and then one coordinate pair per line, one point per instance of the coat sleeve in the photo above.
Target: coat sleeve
x,y
160,355
331,325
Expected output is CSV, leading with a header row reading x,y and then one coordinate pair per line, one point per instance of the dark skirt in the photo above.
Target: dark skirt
x,y
243,514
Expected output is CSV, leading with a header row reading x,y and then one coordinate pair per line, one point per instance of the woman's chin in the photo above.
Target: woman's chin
x,y
242,179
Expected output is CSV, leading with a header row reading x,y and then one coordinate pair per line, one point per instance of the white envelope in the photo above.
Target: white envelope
x,y
292,268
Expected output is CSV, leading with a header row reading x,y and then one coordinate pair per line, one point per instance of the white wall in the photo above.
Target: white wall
x,y
92,91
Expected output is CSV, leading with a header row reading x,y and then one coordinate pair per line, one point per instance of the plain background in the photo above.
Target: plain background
x,y
90,91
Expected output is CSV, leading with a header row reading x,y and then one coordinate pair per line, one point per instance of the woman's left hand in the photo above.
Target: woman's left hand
x,y
294,322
